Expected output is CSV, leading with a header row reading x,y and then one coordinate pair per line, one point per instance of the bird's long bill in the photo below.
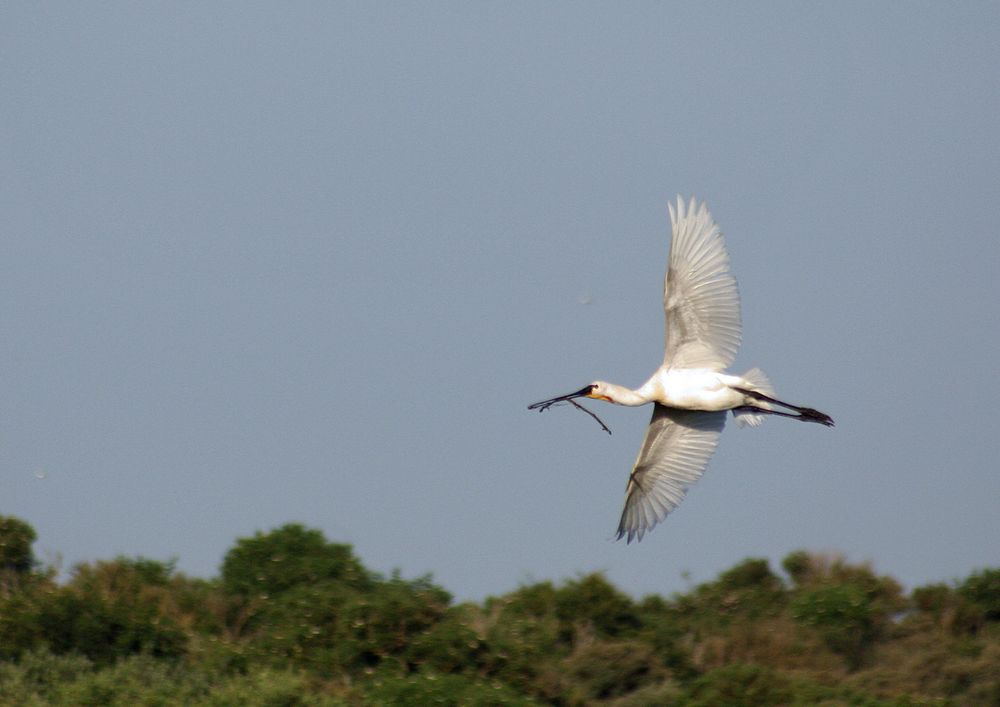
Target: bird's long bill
x,y
582,393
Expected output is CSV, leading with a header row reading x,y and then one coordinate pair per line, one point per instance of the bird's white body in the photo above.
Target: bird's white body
x,y
702,389
696,389
690,391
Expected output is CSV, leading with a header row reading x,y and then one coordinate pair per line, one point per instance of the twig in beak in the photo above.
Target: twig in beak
x,y
581,407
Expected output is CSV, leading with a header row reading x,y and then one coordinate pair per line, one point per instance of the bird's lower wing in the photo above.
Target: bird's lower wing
x,y
674,455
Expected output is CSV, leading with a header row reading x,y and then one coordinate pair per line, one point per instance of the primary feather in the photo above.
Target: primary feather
x,y
700,296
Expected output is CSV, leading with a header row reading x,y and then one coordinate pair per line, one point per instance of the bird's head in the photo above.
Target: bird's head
x,y
599,390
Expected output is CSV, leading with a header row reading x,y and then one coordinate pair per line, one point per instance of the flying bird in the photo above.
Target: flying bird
x,y
690,391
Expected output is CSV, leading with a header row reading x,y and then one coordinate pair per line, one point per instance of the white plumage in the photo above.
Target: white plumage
x,y
690,391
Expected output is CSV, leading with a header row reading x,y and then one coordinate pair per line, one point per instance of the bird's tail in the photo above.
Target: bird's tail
x,y
757,381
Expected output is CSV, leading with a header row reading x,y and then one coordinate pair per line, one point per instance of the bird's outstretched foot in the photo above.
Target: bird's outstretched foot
x,y
810,415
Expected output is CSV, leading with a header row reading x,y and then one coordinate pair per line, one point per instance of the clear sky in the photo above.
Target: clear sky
x,y
264,263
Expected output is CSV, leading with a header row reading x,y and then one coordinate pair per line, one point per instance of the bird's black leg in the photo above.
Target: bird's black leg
x,y
761,411
804,414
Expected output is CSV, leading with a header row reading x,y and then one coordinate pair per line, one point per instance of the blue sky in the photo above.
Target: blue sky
x,y
311,261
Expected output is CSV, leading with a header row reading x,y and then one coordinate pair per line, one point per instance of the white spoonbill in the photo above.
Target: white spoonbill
x,y
690,391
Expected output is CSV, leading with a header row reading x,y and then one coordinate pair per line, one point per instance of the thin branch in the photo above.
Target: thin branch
x,y
599,421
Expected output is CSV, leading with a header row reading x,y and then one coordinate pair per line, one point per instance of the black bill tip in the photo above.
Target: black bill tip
x,y
546,404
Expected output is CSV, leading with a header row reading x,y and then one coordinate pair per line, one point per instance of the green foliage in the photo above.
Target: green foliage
x,y
451,645
798,565
934,599
747,591
948,608
298,627
42,678
38,676
592,602
330,630
427,688
848,605
382,624
304,602
110,610
522,644
739,686
667,631
743,685
16,538
752,573
133,681
270,563
607,669
843,616
288,591
814,570
297,620
269,688
19,627
983,590
529,601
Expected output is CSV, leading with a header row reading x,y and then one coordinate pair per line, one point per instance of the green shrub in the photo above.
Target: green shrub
x,y
38,675
843,616
108,611
270,563
603,670
983,590
382,623
16,538
436,689
594,601
739,686
451,645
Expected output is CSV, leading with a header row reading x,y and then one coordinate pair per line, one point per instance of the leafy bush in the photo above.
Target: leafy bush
x,y
436,689
16,538
109,610
603,670
451,645
756,686
843,616
848,605
747,591
381,624
933,598
37,677
299,627
296,620
42,678
739,686
592,600
983,590
270,563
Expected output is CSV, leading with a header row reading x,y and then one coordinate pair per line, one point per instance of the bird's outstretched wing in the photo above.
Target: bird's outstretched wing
x,y
699,293
674,454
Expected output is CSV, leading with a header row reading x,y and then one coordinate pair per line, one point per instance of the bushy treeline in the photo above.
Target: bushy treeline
x,y
296,620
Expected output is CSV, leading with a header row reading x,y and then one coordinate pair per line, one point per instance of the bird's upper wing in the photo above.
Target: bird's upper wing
x,y
674,454
699,293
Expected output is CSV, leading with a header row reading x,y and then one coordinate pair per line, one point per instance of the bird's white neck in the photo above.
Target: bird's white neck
x,y
620,395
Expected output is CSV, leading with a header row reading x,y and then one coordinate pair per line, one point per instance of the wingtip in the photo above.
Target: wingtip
x,y
688,209
629,535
